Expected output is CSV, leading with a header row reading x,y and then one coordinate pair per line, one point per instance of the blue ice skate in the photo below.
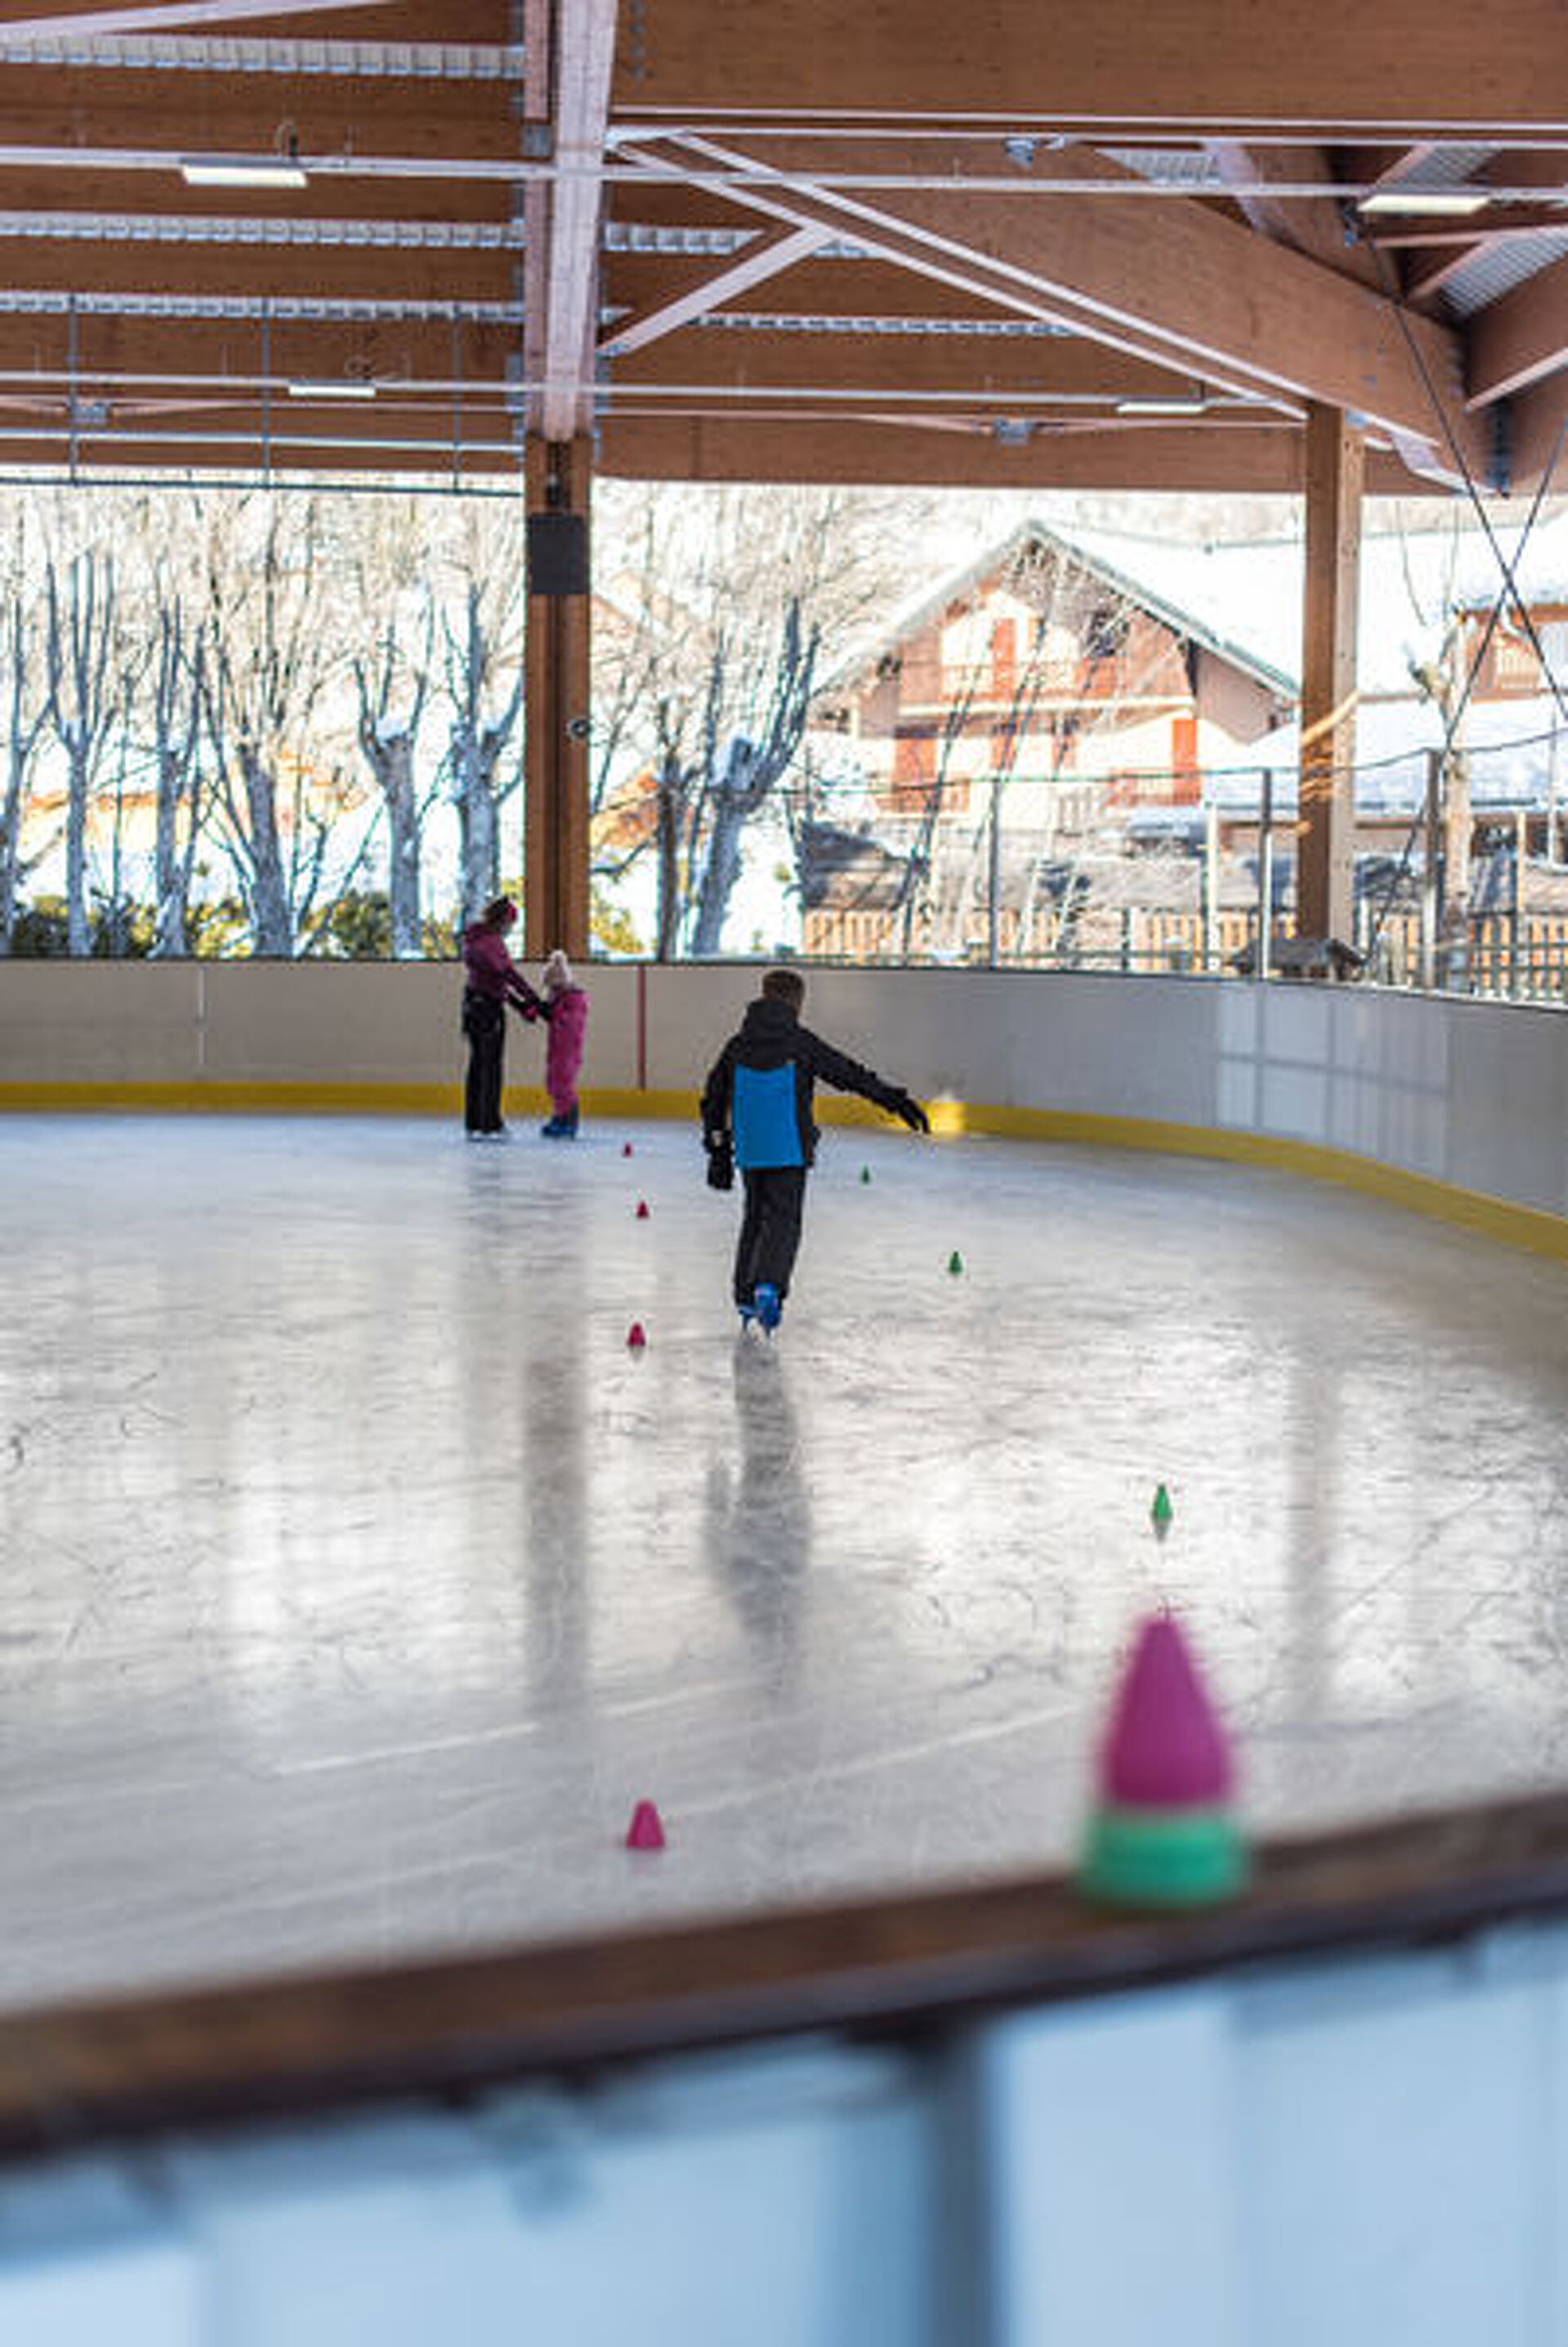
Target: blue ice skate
x,y
768,1306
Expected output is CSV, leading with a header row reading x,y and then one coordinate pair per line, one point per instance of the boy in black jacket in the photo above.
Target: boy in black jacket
x,y
757,1114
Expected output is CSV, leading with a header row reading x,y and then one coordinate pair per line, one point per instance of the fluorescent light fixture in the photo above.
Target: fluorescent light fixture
x,y
1441,203
340,390
244,171
1173,403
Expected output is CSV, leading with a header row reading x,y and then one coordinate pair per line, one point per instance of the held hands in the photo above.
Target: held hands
x,y
910,1111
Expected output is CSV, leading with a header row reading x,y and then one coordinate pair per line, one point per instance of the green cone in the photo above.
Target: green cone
x,y
955,1263
1164,1858
1162,1512
865,1172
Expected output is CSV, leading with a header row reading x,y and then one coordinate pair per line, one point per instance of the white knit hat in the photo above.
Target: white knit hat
x,y
557,973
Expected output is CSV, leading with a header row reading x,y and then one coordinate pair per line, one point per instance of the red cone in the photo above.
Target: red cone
x,y
636,1337
1165,1747
645,1831
642,1210
626,1149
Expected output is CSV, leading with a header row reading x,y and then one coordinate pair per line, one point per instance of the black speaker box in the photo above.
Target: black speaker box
x,y
557,554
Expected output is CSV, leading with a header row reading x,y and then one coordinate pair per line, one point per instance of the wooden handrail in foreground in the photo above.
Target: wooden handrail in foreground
x,y
85,2074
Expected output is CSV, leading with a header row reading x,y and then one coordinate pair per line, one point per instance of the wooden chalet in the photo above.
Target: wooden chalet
x,y
1039,691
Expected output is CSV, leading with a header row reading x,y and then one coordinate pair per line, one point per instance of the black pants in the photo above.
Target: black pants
x,y
485,1025
770,1229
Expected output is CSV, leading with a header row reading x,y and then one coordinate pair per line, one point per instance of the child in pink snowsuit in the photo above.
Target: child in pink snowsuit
x,y
565,1008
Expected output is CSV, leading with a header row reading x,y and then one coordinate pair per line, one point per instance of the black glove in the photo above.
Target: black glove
x,y
914,1115
720,1162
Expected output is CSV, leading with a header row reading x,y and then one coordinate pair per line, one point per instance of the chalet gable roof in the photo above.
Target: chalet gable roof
x,y
963,584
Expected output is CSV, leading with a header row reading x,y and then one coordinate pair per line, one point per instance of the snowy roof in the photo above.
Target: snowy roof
x,y
923,609
1412,580
1510,744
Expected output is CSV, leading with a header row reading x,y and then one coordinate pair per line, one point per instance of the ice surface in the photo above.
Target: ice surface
x,y
358,1580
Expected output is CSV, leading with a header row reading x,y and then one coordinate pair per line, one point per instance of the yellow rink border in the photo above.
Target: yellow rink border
x,y
1531,1227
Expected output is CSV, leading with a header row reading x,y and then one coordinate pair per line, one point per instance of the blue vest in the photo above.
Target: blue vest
x,y
765,1117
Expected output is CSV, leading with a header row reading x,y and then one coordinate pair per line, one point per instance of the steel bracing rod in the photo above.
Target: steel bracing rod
x,y
1451,724
1509,589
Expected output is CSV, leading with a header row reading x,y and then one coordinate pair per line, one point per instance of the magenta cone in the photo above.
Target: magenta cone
x,y
642,1210
637,1337
626,1149
1164,1748
645,1832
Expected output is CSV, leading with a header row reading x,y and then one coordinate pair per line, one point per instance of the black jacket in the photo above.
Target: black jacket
x,y
770,1034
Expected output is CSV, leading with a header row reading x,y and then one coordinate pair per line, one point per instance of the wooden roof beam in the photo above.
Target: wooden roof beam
x,y
563,279
1172,282
709,289
1537,431
1315,228
70,20
1520,339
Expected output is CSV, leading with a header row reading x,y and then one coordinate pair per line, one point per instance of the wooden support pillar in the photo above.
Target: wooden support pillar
x,y
1325,831
557,481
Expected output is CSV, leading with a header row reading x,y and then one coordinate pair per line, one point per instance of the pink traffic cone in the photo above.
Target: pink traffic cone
x,y
642,1210
1165,1747
645,1831
636,1337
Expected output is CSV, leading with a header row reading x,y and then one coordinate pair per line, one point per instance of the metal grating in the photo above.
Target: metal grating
x,y
180,228
763,322
59,304
366,60
1498,268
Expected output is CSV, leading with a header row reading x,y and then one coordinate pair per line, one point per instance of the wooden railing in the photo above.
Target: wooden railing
x,y
83,2075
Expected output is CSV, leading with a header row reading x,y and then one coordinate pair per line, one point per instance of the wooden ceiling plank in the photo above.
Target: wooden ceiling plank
x,y
985,366
1312,66
1267,459
1521,338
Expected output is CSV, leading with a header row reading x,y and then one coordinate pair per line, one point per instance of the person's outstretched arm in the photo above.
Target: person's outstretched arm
x,y
847,1075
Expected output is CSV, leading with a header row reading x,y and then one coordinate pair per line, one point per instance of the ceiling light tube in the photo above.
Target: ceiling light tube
x,y
244,171
341,390
1451,203
1173,403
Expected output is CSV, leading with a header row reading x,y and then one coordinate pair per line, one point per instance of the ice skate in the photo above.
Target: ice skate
x,y
768,1306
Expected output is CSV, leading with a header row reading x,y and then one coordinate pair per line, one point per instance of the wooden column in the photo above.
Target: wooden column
x,y
1336,457
558,480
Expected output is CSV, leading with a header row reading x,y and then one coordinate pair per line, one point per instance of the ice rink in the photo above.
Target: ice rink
x,y
358,1579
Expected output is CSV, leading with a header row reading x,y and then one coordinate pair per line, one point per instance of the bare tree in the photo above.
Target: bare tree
x,y
179,693
483,723
391,704
26,717
273,653
86,697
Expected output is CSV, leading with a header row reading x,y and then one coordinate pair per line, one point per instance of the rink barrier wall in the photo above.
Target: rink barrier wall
x,y
1450,1107
113,2070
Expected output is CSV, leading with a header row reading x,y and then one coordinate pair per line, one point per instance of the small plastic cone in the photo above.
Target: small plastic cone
x,y
636,1337
1160,1511
1165,1747
626,1149
955,1263
865,1172
642,1210
645,1831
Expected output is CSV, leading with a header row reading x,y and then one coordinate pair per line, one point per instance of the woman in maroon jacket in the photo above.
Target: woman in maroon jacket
x,y
493,979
